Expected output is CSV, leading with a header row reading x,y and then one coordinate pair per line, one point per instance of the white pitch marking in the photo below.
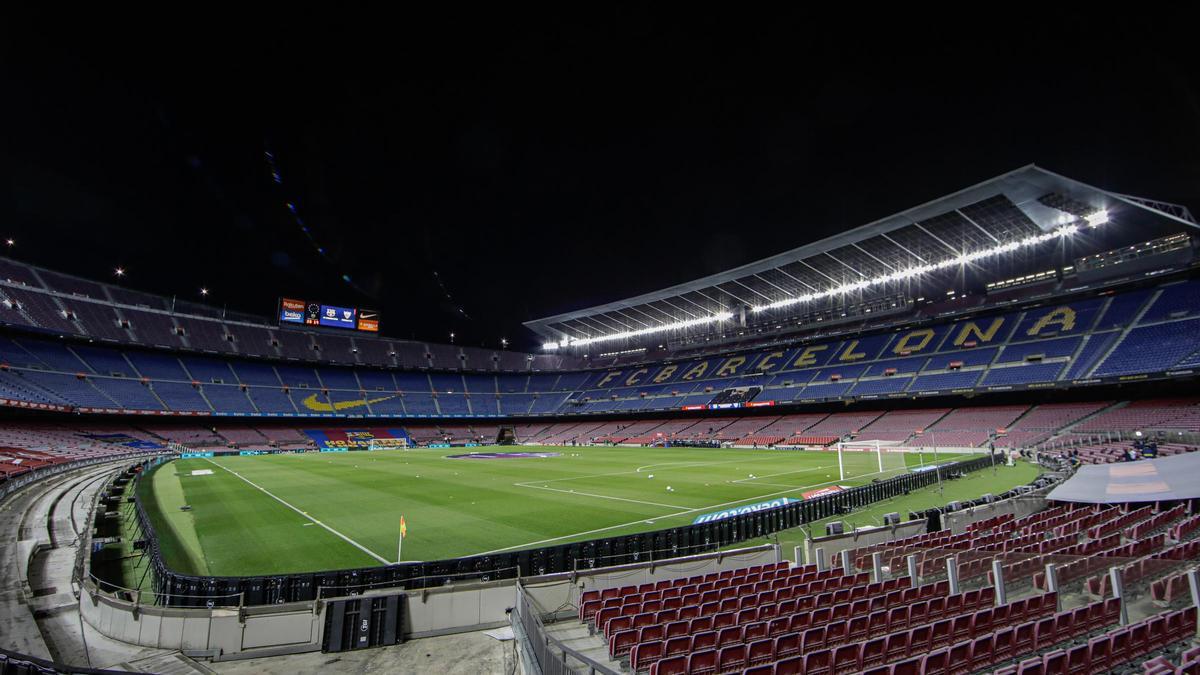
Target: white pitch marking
x,y
589,494
669,515
782,473
348,540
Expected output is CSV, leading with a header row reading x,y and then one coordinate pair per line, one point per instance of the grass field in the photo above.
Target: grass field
x,y
315,511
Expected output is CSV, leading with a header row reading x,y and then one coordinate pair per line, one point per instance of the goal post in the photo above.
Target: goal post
x,y
872,459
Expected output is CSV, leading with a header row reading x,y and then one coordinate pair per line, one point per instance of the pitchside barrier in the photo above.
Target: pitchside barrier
x,y
181,590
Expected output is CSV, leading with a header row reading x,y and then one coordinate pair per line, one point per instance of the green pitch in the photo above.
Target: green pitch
x,y
317,511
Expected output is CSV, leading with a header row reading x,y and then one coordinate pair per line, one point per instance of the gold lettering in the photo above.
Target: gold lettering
x,y
730,367
607,378
665,374
971,328
808,357
635,376
924,335
848,354
1063,317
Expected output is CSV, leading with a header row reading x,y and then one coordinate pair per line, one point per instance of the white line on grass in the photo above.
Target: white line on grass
x,y
590,494
348,540
669,515
639,469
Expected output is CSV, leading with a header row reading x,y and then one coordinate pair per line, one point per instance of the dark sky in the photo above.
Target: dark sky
x,y
471,172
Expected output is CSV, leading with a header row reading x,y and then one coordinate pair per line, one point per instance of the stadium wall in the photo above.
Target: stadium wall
x,y
253,632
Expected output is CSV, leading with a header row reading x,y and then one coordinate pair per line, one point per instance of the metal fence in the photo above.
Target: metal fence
x,y
549,655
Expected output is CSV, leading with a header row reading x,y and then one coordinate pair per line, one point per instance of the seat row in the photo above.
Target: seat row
x,y
1112,650
801,635
698,594
778,603
622,633
933,649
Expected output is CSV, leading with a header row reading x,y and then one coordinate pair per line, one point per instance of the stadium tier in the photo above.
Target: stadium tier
x,y
1138,334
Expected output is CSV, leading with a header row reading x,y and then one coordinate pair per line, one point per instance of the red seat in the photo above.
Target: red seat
x,y
818,662
1023,638
1118,651
787,645
958,658
1003,645
960,627
934,663
897,646
873,653
701,624
705,640
676,665
1098,650
858,628
907,666
1055,662
729,636
941,633
1156,628
620,643
754,631
701,663
674,646
760,651
790,666
1044,633
616,625
731,658
981,651
835,633
1078,661
642,655
652,633
846,658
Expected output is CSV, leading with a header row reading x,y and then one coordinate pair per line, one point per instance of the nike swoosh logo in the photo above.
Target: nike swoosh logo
x,y
320,406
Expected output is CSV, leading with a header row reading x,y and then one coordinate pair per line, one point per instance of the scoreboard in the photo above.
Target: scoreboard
x,y
308,313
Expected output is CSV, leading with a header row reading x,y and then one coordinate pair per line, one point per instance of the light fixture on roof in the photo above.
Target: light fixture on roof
x,y
9,242
120,271
900,275
1098,218
203,291
626,335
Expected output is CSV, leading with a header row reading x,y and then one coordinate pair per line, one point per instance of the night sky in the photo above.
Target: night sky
x,y
468,173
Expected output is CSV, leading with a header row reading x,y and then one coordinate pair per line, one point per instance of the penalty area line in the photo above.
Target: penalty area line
x,y
268,493
670,515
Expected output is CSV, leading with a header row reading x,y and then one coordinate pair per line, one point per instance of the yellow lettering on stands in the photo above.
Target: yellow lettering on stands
x,y
924,335
1063,317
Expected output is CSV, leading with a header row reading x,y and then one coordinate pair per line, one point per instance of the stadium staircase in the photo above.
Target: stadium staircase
x,y
1146,305
1071,427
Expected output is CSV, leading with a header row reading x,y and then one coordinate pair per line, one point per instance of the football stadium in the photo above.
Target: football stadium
x,y
960,438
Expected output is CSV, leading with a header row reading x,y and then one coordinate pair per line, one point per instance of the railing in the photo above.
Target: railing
x,y
550,656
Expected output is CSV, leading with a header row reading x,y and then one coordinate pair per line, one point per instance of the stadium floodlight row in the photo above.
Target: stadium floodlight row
x,y
1014,225
1138,334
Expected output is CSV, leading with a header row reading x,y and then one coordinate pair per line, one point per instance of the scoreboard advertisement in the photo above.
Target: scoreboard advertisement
x,y
307,313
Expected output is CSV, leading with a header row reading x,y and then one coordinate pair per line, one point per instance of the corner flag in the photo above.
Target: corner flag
x,y
400,541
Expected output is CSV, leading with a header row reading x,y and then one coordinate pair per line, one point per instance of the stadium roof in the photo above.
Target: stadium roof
x,y
1027,203
1163,479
